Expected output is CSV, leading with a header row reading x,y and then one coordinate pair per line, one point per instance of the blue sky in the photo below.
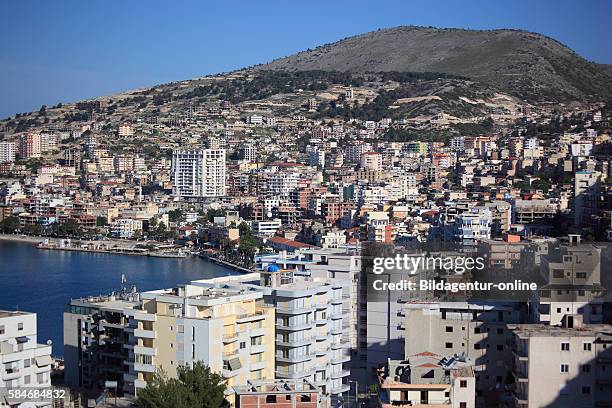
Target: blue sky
x,y
61,51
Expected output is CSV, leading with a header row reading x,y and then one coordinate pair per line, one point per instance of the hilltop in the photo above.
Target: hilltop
x,y
524,64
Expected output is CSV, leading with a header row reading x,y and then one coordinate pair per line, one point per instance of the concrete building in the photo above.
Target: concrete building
x,y
23,362
428,380
8,150
587,189
572,274
30,146
128,337
562,366
475,330
199,173
277,394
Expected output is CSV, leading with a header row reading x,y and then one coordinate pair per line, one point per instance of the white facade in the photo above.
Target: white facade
x,y
199,173
8,150
23,362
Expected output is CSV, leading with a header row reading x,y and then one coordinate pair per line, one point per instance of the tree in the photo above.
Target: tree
x,y
101,221
175,215
195,386
10,224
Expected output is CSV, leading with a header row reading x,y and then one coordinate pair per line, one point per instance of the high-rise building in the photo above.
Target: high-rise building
x,y
199,173
7,152
30,145
23,362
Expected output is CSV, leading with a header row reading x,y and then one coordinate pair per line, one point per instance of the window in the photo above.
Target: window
x,y
586,346
581,275
586,368
463,384
500,331
500,347
449,345
27,379
270,399
564,368
19,326
449,329
586,389
565,346
463,405
242,345
1,329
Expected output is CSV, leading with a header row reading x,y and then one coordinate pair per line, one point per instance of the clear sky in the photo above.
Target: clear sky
x,y
65,50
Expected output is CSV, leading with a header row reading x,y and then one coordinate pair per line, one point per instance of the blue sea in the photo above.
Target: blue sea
x,y
44,281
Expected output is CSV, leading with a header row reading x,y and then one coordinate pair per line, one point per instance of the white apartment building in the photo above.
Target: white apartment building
x,y
311,338
469,227
199,173
281,184
266,227
8,150
23,362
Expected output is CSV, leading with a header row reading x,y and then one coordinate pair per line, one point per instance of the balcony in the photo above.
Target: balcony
x,y
520,376
144,368
342,389
295,359
340,374
294,375
147,351
11,374
229,373
294,310
229,338
294,327
340,359
144,334
521,355
250,317
258,348
295,343
227,355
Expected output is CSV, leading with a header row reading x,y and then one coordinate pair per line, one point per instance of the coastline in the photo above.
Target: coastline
x,y
26,239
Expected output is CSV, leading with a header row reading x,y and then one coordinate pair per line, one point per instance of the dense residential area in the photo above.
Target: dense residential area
x,y
292,179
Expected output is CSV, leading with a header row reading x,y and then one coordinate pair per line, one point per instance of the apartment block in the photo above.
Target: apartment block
x,y
199,173
475,330
23,362
565,366
8,150
127,338
572,273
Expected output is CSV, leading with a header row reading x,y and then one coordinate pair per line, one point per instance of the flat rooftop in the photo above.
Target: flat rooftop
x,y
542,330
9,313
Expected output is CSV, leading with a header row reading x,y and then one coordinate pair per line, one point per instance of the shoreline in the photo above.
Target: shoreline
x,y
26,239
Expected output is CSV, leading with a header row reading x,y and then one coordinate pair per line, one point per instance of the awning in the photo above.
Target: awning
x,y
234,364
22,339
43,361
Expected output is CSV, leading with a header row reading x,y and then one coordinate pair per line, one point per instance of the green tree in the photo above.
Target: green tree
x,y
175,215
101,221
10,224
196,387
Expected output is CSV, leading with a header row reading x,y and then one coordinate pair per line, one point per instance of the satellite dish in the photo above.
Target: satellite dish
x,y
269,214
49,342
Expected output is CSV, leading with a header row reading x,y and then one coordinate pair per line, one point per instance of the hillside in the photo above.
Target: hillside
x,y
524,64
